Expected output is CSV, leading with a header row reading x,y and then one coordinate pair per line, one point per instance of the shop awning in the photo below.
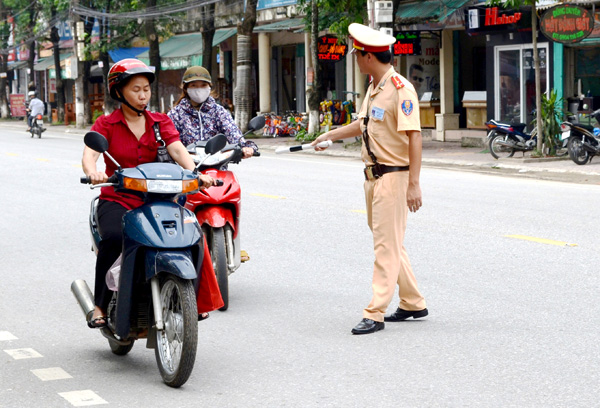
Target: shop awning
x,y
119,54
427,11
16,65
184,50
45,63
285,25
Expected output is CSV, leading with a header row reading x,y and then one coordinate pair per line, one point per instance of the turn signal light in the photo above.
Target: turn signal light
x,y
135,184
189,186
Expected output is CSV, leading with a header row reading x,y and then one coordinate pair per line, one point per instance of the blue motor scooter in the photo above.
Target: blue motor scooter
x,y
160,263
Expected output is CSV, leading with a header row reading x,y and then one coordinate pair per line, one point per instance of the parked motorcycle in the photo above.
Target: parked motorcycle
x,y
37,126
583,143
218,208
506,139
157,296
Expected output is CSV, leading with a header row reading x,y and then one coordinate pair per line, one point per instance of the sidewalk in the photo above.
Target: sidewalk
x,y
447,155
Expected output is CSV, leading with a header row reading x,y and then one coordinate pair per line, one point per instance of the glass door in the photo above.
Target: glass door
x,y
515,81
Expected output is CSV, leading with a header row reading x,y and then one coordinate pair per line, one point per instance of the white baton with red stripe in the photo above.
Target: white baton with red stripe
x,y
287,149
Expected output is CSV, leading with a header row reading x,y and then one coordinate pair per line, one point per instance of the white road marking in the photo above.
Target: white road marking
x,y
51,374
5,336
20,354
84,398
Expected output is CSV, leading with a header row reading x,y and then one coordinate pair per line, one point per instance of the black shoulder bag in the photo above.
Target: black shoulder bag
x,y
162,155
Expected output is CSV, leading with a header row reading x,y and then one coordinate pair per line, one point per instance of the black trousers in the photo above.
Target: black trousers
x,y
110,215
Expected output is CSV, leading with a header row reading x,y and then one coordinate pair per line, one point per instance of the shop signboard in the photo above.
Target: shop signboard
x,y
17,105
567,23
331,49
423,71
407,43
488,20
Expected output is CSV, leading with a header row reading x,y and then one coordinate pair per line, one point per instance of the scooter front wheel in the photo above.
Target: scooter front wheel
x,y
120,350
218,254
498,145
577,152
176,345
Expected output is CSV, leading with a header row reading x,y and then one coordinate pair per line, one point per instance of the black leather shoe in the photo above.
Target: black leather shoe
x,y
402,314
367,326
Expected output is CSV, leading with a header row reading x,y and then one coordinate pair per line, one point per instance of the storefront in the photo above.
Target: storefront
x,y
510,67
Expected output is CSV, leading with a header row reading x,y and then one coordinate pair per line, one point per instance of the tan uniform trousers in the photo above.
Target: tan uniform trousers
x,y
387,212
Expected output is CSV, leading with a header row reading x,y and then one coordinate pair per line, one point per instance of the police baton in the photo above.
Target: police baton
x,y
287,149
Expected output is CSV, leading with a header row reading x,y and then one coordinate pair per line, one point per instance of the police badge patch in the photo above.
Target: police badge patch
x,y
407,107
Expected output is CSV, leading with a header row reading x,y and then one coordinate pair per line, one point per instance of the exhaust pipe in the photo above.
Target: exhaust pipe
x,y
84,297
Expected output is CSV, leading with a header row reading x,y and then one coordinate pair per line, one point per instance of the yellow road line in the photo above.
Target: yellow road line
x,y
11,154
44,160
359,211
541,240
268,196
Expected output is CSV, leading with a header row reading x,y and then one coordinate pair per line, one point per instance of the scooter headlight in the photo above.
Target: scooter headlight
x,y
161,186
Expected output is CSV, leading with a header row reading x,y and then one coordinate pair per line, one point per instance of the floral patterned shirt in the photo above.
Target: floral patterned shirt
x,y
202,124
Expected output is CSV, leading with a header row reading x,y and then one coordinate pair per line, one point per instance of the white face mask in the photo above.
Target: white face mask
x,y
199,95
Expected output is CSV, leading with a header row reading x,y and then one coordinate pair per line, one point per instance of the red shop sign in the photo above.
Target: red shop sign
x,y
567,23
331,49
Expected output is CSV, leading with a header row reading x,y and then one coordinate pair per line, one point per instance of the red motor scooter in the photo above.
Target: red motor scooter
x,y
217,208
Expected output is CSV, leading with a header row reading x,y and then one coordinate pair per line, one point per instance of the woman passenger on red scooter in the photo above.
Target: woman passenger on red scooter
x,y
129,131
197,116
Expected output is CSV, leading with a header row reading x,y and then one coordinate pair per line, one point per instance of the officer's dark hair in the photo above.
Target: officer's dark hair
x,y
385,57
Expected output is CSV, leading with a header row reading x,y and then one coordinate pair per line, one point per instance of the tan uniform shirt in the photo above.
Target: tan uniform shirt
x,y
393,108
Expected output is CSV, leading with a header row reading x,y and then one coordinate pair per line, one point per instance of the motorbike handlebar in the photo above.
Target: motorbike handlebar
x,y
256,154
218,182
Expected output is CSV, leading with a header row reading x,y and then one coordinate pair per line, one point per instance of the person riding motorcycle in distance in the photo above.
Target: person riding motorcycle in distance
x,y
130,134
36,107
197,116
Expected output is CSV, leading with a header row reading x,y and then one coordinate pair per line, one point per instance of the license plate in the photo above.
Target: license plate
x,y
40,122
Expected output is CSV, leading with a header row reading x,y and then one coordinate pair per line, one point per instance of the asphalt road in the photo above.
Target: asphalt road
x,y
508,267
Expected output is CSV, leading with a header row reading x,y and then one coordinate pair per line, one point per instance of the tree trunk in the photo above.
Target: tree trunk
x,y
208,33
60,88
313,93
538,86
4,111
243,90
154,56
109,104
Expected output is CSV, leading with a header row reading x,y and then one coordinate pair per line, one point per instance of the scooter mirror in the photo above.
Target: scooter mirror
x,y
96,141
256,123
215,143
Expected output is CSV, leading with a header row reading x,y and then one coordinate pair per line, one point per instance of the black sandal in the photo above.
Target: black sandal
x,y
202,316
95,322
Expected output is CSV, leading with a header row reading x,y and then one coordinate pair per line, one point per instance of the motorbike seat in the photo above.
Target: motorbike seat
x,y
519,127
586,127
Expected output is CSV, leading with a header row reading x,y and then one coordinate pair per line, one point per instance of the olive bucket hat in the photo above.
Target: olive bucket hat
x,y
196,74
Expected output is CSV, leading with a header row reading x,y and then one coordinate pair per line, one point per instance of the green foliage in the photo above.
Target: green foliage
x,y
97,114
552,112
303,136
512,3
335,15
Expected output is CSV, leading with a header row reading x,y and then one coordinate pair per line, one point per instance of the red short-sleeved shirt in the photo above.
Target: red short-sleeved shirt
x,y
128,151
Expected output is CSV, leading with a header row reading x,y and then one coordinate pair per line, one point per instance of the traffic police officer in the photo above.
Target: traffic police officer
x,y
389,124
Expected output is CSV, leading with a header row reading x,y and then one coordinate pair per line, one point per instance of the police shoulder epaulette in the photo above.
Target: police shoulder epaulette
x,y
397,82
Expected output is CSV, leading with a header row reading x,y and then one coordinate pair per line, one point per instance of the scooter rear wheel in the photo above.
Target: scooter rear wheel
x,y
176,345
497,149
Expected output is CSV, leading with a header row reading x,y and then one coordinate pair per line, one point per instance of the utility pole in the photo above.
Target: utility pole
x,y
77,68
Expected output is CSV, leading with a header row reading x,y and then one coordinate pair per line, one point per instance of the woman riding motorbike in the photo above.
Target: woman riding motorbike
x,y
132,141
197,116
